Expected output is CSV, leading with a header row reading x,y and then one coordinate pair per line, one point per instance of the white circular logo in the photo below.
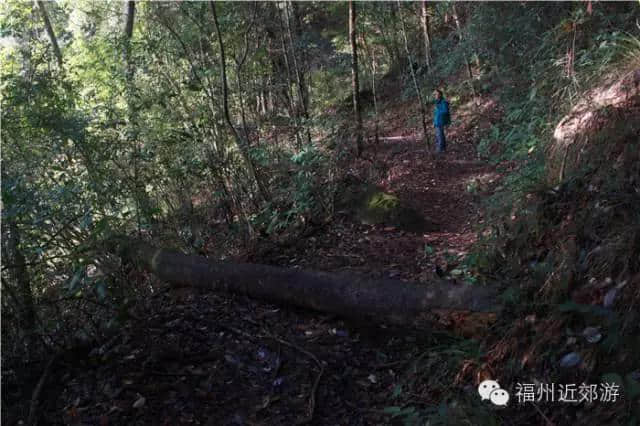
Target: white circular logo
x,y
499,397
486,387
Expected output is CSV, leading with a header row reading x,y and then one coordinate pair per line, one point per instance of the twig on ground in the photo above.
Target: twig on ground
x,y
314,388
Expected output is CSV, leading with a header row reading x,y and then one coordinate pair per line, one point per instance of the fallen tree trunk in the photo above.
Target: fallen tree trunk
x,y
352,296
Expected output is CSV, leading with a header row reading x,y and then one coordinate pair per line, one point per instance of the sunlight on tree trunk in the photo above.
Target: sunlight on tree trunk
x,y
425,33
355,85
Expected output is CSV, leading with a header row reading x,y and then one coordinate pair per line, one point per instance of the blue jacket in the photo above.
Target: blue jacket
x,y
441,115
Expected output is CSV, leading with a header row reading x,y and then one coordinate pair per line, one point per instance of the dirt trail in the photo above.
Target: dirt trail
x,y
442,188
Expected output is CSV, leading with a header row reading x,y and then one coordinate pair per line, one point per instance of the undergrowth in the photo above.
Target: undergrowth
x,y
568,249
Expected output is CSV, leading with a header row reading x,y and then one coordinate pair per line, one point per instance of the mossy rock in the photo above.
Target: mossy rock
x,y
372,206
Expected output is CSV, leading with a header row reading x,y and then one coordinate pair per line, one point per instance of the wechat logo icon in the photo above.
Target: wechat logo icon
x,y
490,389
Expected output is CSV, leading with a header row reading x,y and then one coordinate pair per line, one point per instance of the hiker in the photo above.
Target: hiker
x,y
441,118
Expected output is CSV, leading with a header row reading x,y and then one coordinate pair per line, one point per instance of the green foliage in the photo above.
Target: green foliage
x,y
305,197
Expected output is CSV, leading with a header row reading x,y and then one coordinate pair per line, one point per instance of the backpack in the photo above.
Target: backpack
x,y
447,115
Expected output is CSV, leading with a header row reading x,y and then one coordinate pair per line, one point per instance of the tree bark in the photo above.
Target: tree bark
x,y
389,301
425,33
355,86
128,28
50,33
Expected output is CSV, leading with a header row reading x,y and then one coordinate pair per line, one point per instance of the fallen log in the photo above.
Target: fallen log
x,y
386,300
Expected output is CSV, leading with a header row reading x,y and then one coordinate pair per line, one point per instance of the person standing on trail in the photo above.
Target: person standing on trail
x,y
441,118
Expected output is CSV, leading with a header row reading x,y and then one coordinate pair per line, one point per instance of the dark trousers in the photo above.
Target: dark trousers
x,y
441,141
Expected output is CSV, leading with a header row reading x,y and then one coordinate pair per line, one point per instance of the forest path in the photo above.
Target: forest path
x,y
446,189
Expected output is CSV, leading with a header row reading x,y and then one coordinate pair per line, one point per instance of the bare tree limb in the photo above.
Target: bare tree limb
x,y
50,33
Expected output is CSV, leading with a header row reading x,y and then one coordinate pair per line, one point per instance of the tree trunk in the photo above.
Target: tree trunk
x,y
131,10
355,86
132,130
425,33
372,61
225,104
351,296
423,111
304,55
50,33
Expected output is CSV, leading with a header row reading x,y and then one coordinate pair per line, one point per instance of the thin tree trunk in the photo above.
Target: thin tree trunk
x,y
23,282
239,65
270,98
394,32
225,103
425,33
50,33
292,106
299,77
131,9
355,85
132,131
372,61
456,19
423,111
263,95
304,55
